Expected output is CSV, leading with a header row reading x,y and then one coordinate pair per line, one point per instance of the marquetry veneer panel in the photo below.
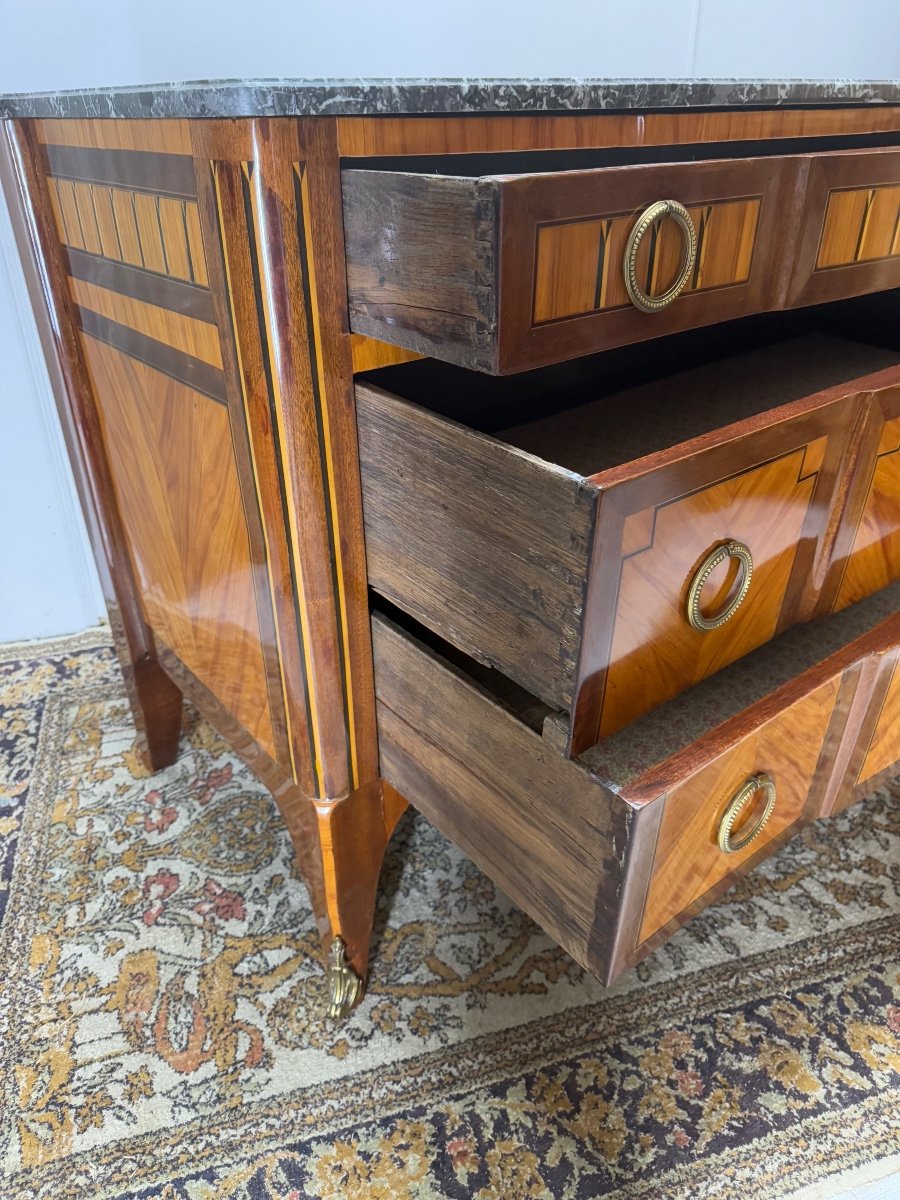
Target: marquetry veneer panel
x,y
578,264
158,233
861,224
177,487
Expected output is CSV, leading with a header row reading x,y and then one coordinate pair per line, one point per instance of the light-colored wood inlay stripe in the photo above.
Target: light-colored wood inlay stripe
x,y
146,210
106,224
159,136
86,217
187,334
195,244
69,209
174,236
126,226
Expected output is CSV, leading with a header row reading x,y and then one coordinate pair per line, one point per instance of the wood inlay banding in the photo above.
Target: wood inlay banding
x,y
140,170
198,339
200,376
861,225
578,264
156,233
190,300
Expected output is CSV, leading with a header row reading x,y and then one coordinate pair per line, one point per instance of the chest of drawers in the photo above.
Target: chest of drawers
x,y
540,471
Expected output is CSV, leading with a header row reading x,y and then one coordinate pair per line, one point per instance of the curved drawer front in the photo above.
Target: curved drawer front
x,y
849,233
607,594
506,273
613,851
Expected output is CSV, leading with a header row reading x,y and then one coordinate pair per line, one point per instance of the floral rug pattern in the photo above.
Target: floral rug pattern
x,y
161,1000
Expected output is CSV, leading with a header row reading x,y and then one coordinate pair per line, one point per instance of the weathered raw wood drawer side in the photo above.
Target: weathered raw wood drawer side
x,y
482,543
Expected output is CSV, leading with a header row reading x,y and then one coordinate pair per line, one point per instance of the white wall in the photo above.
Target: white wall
x,y
47,585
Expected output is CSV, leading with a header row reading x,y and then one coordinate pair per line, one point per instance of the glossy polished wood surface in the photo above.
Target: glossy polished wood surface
x,y
203,290
883,752
874,552
155,700
171,457
191,282
688,861
849,231
369,136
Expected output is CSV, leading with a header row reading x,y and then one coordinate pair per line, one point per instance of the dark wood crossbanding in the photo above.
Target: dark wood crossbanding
x,y
191,300
140,170
161,357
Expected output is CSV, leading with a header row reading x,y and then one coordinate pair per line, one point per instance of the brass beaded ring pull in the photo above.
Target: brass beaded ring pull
x,y
715,558
737,804
680,215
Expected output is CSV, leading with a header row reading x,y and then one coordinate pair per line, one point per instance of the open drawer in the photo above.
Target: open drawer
x,y
615,553
611,852
503,273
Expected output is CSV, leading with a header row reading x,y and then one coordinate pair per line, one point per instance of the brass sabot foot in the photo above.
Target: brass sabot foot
x,y
344,985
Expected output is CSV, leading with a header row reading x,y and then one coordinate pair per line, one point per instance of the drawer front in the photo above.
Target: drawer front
x,y
872,535
508,273
563,275
767,509
849,236
612,852
689,861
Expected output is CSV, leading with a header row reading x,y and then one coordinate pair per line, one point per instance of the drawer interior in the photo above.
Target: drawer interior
x,y
586,417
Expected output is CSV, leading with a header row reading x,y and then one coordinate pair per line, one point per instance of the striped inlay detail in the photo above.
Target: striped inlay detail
x,y
195,374
139,170
188,299
156,233
861,225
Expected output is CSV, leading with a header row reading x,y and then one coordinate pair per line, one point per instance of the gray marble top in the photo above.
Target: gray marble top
x,y
372,97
